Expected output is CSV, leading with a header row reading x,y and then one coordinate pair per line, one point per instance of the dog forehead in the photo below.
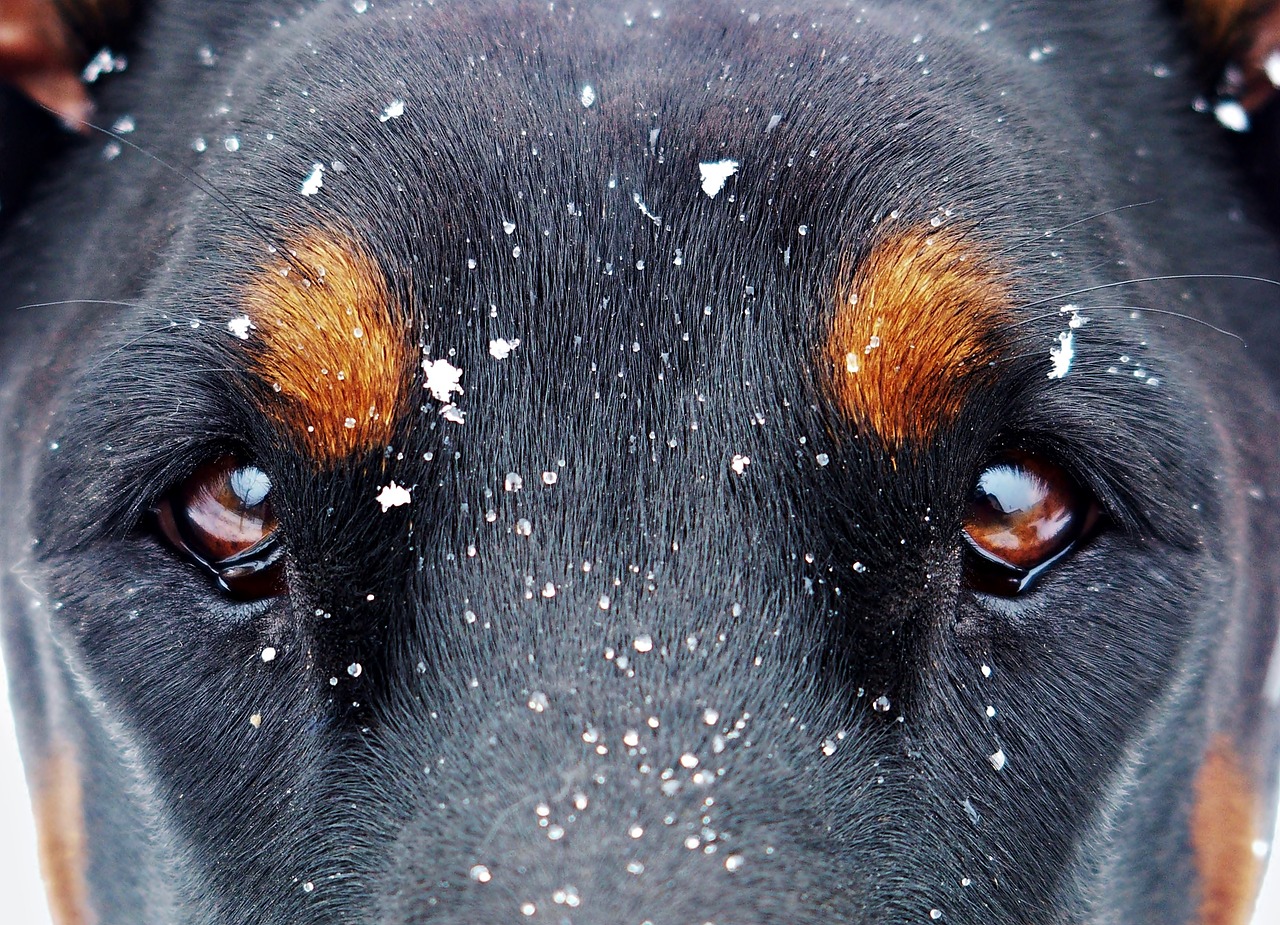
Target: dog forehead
x,y
595,203
915,322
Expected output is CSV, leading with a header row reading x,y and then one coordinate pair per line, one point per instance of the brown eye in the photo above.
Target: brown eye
x,y
221,518
1024,514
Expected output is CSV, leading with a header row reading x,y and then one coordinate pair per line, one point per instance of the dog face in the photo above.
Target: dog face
x,y
508,463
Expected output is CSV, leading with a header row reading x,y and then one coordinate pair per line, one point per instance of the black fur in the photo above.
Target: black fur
x,y
380,792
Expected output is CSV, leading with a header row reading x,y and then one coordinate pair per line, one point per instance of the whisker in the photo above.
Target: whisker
x,y
60,302
1181,316
1148,279
1052,232
264,233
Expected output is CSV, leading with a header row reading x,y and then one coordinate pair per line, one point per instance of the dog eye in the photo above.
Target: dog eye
x,y
1025,514
221,519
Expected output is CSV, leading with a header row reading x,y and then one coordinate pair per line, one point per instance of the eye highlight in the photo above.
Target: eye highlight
x,y
221,518
1025,514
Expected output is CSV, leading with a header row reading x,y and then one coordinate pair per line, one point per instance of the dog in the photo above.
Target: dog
x,y
488,462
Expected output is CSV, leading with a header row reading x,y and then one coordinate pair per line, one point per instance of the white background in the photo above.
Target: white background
x,y
21,899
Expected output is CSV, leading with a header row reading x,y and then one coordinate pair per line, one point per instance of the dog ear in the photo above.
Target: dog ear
x,y
1239,42
44,44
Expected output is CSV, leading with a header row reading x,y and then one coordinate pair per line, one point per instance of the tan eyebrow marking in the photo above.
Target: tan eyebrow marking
x,y
326,337
915,321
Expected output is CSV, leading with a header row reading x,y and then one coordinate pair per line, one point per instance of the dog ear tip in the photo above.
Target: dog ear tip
x,y
62,94
38,58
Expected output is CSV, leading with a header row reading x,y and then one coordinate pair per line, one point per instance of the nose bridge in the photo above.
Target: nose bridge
x,y
604,796
621,747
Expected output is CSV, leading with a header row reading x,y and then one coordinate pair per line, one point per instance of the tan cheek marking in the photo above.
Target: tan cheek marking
x,y
1222,833
915,321
61,839
330,346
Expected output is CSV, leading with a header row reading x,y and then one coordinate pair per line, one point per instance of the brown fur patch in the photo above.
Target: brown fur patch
x,y
37,57
1222,833
329,343
60,825
1238,37
1218,24
915,321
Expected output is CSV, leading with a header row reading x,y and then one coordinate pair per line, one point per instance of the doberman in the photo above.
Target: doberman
x,y
483,461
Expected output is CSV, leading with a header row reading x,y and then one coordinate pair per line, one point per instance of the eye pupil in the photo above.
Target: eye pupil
x,y
221,518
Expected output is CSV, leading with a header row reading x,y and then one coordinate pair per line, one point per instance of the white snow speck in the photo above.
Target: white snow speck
x,y
355,669
644,209
104,62
1231,115
998,760
512,482
1062,355
1077,320
269,654
311,185
508,226
1272,68
240,326
453,414
480,874
587,96
715,173
643,643
501,348
739,463
443,379
393,110
393,495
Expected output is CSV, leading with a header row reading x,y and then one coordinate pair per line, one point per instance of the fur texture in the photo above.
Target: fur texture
x,y
729,664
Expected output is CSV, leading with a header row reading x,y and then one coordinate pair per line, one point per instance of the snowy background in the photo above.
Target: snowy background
x,y
23,900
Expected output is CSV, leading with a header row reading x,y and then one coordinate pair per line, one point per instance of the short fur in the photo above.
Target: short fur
x,y
715,655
